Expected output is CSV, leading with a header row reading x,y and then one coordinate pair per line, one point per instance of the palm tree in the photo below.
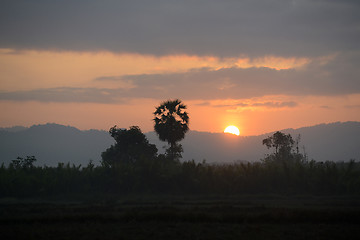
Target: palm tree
x,y
171,124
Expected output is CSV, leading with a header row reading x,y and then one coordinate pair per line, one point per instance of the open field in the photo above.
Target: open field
x,y
179,217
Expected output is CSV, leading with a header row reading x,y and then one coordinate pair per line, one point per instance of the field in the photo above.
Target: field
x,y
183,217
281,197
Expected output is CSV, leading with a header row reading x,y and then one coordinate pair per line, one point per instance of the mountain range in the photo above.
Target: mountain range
x,y
53,143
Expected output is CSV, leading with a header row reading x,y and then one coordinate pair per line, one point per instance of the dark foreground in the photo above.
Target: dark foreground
x,y
178,217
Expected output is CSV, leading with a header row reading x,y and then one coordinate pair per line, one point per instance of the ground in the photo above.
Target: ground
x,y
183,217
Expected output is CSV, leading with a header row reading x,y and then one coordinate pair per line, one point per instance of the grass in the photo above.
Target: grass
x,y
183,217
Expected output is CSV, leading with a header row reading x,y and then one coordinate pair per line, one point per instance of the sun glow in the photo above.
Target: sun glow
x,y
233,130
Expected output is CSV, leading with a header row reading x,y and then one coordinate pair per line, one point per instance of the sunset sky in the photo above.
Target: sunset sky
x,y
260,65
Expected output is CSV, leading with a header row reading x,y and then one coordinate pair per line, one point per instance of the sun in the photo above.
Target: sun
x,y
233,130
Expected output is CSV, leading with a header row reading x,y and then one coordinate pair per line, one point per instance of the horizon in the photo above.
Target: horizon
x,y
190,130
334,141
260,66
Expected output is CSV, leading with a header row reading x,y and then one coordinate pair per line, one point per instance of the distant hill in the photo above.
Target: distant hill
x,y
53,143
334,141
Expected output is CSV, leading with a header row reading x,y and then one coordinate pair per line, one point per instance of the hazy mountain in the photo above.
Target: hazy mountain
x,y
13,129
53,143
334,141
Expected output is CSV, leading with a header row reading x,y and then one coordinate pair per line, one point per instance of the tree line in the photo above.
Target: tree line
x,y
133,166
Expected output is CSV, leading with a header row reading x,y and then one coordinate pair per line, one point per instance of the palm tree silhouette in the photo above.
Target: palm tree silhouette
x,y
171,124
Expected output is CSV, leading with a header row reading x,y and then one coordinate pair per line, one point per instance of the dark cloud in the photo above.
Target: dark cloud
x,y
204,27
271,104
336,77
289,104
353,106
232,105
65,94
203,104
108,78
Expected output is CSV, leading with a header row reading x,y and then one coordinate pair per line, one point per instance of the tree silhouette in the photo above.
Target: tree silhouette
x,y
286,151
281,142
171,124
24,163
131,145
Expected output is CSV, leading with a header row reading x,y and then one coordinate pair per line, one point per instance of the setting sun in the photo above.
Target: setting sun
x,y
233,130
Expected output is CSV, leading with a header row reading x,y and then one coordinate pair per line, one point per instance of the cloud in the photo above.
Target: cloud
x,y
338,76
65,94
204,27
353,106
334,77
250,103
203,104
275,104
108,78
240,106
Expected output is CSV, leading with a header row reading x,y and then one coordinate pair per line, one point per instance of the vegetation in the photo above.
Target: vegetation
x,y
171,124
138,194
132,166
162,175
131,146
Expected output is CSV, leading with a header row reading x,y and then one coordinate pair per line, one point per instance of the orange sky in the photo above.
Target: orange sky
x,y
260,65
203,118
29,70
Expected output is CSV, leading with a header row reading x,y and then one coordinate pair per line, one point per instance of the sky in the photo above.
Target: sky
x,y
260,65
